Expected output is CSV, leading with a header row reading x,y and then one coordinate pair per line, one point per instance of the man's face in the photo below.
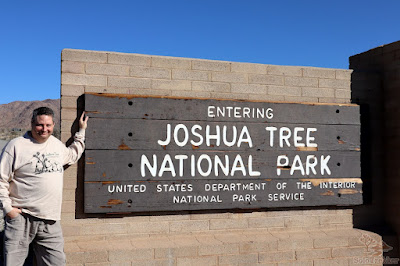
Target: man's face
x,y
42,128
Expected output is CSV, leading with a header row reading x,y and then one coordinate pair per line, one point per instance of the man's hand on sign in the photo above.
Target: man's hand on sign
x,y
83,121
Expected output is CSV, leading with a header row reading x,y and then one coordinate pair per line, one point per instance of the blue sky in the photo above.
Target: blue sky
x,y
303,33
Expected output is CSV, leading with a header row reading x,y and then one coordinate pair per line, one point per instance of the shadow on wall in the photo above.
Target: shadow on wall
x,y
373,84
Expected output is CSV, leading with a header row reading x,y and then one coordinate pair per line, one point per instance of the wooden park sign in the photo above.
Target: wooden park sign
x,y
167,154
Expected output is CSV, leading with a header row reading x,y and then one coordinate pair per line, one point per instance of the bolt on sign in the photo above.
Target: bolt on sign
x,y
168,154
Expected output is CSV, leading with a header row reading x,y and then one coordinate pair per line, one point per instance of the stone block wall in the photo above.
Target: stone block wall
x,y
377,87
318,236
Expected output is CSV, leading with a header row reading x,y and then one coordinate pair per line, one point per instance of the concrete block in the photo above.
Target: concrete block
x,y
300,99
303,221
229,77
107,69
318,92
349,232
156,242
319,73
68,115
344,211
183,74
105,228
242,259
343,74
65,137
249,68
223,249
120,264
313,254
337,219
210,86
294,71
259,246
162,262
126,236
148,227
197,261
276,256
344,100
266,98
249,88
218,224
130,255
72,90
266,222
188,226
295,244
331,242
70,179
71,230
98,89
334,83
233,96
331,262
69,102
175,252
355,241
191,94
284,90
301,82
80,79
150,92
206,216
68,206
327,100
83,56
207,239
319,212
68,195
129,59
210,65
75,258
95,245
350,252
297,263
72,67
173,85
265,79
230,236
171,62
164,218
150,72
71,247
344,94
128,82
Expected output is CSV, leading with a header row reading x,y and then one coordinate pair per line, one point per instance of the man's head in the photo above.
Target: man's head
x,y
42,124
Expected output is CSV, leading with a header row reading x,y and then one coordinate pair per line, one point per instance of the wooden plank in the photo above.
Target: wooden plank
x,y
126,131
137,196
126,165
149,108
144,134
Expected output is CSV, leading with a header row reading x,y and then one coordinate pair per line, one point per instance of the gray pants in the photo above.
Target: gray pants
x,y
46,235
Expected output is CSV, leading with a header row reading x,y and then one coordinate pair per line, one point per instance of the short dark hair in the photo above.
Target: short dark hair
x,y
42,111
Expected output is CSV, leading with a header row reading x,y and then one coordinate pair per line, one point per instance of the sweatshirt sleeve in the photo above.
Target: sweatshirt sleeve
x,y
75,150
6,174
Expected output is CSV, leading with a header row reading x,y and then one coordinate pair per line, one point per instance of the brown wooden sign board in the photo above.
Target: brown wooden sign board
x,y
169,154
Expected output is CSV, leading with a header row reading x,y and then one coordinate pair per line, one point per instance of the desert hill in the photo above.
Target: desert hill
x,y
18,114
15,117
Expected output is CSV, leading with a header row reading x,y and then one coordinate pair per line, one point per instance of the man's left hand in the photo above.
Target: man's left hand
x,y
83,121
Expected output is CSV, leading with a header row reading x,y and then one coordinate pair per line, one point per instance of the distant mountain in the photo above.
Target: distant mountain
x,y
18,114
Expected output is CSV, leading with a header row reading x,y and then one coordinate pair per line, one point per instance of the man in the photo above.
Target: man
x,y
31,184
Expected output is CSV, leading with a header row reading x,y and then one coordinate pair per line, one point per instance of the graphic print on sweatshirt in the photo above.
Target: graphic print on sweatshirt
x,y
45,163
